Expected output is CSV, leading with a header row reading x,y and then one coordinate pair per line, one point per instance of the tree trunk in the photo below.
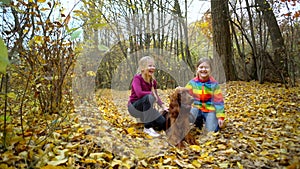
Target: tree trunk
x,y
256,55
221,35
279,59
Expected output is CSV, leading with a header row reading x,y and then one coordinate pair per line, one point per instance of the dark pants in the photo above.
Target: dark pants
x,y
143,109
198,117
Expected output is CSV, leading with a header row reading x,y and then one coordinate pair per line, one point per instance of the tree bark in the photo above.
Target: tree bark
x,y
221,36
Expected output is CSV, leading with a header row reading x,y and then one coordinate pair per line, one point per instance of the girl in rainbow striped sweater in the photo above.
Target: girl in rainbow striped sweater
x,y
208,103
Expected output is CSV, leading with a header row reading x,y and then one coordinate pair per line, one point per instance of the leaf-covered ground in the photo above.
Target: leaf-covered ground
x,y
262,130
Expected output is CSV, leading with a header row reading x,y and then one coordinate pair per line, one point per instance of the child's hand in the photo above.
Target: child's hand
x,y
165,107
154,94
220,122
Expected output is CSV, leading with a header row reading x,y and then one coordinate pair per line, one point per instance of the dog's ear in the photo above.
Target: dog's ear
x,y
173,96
178,95
178,89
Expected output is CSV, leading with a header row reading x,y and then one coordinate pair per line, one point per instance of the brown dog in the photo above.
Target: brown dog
x,y
177,118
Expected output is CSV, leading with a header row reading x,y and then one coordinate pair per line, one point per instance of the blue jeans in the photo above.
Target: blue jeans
x,y
143,109
210,119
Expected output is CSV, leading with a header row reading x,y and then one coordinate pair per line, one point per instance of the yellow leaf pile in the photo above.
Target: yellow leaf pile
x,y
262,130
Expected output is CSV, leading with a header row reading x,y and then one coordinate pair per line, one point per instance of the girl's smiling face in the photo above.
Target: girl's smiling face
x,y
203,71
148,68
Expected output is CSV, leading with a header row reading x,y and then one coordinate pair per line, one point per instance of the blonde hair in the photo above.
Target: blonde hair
x,y
143,63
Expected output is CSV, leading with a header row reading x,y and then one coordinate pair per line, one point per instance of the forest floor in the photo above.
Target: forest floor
x,y
262,130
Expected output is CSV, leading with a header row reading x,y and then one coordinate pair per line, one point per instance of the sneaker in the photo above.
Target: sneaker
x,y
151,132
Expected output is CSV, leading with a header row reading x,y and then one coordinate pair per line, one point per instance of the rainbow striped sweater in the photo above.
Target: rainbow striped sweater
x,y
208,96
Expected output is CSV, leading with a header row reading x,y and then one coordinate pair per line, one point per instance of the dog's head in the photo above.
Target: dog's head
x,y
182,96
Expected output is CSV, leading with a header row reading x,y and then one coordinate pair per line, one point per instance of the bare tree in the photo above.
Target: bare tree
x,y
279,59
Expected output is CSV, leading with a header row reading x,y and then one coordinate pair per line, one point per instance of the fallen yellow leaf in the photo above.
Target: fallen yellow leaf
x,y
239,165
195,148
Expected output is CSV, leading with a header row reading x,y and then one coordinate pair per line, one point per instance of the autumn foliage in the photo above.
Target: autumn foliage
x,y
41,126
292,3
261,131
